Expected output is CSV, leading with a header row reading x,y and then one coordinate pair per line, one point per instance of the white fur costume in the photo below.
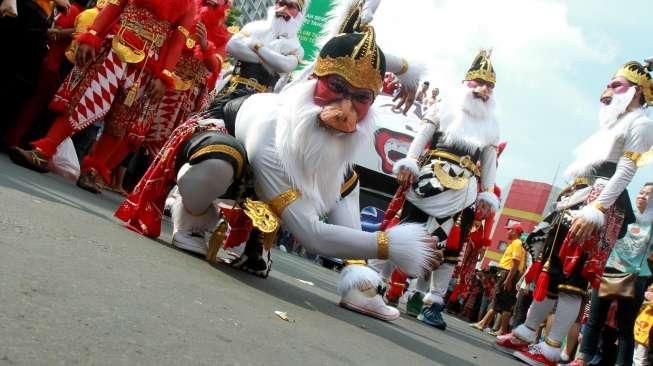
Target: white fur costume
x,y
286,149
469,125
280,51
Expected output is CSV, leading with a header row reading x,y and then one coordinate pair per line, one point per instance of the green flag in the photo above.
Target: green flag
x,y
312,27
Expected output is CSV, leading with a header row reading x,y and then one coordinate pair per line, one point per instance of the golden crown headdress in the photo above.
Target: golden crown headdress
x,y
482,67
638,74
301,4
355,57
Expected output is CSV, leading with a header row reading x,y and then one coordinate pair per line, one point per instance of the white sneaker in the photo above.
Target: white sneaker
x,y
190,241
370,303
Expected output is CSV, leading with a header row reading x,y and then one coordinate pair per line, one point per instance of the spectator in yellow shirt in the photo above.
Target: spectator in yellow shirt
x,y
511,264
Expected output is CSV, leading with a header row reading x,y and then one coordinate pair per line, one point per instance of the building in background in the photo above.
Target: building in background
x,y
526,202
252,9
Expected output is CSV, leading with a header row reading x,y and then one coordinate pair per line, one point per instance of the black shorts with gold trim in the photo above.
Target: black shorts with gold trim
x,y
214,145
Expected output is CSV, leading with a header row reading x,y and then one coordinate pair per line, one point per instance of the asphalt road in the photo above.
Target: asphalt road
x,y
78,288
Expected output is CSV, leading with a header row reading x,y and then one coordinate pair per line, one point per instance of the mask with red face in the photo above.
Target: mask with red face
x,y
343,105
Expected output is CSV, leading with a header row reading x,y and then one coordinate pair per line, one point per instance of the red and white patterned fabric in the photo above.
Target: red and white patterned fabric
x,y
598,247
142,210
87,94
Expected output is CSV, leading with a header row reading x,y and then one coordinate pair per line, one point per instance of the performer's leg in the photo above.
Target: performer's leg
x,y
440,279
44,148
526,333
58,132
359,290
200,184
538,311
565,316
193,213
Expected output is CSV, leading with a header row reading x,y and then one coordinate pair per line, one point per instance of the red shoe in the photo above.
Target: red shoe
x,y
507,343
534,356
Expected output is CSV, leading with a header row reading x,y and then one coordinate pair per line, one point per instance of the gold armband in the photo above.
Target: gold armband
x,y
190,42
257,47
597,205
383,245
632,155
404,67
280,202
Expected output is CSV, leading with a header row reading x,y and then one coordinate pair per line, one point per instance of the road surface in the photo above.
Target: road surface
x,y
78,288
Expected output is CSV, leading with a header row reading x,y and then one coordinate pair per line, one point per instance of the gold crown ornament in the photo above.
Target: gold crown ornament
x,y
301,4
355,57
638,74
482,68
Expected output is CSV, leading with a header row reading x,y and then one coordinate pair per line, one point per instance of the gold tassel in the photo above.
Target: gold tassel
x,y
131,95
215,243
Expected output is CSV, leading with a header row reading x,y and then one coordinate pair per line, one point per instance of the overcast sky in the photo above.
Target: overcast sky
x,y
552,60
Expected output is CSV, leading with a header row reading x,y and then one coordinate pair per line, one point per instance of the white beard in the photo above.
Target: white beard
x,y
613,123
314,157
281,28
609,114
470,123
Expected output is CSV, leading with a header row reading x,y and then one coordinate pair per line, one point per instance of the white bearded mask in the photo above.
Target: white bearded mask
x,y
610,113
316,157
282,28
470,121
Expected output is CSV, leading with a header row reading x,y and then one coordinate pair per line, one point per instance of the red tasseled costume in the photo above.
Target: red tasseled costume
x,y
164,9
213,18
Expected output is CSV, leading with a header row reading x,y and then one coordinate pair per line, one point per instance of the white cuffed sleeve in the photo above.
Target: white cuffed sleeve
x,y
238,48
488,168
417,147
637,140
408,247
279,62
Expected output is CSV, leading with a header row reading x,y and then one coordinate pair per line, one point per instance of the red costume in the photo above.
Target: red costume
x,y
136,42
198,70
194,75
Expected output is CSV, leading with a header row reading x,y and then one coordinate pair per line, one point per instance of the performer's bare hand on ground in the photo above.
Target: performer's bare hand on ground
x,y
405,176
84,55
582,229
156,89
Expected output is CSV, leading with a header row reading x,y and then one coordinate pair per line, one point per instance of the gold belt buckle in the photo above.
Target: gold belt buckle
x,y
447,181
466,162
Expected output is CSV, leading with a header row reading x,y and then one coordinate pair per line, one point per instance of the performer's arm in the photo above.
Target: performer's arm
x,y
175,44
638,140
488,176
347,211
103,23
407,244
238,47
424,136
408,73
277,61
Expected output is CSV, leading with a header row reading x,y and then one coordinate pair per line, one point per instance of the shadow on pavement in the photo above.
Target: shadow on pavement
x,y
299,297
